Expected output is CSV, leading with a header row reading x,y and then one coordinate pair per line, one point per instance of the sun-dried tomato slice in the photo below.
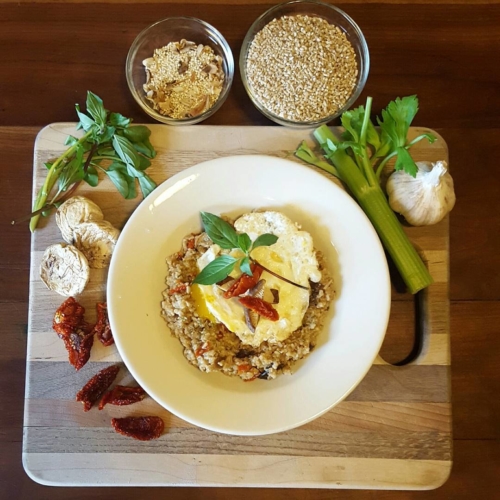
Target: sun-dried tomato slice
x,y
78,344
76,333
244,282
141,428
102,327
261,307
68,317
122,396
92,391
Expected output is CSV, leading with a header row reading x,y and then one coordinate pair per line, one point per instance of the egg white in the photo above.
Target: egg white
x,y
292,257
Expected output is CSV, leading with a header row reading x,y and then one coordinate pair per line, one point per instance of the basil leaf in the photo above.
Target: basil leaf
x,y
136,133
106,134
147,185
118,165
244,242
265,240
119,121
143,149
216,271
106,150
134,172
73,171
219,231
144,163
70,140
245,266
152,152
85,122
91,177
119,180
125,150
95,108
48,165
132,189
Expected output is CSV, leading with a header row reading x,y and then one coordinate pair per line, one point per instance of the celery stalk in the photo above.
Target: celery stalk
x,y
374,203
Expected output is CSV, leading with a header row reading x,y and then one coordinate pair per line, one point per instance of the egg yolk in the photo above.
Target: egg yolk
x,y
200,304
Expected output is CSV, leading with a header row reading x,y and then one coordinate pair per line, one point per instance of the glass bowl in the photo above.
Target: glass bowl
x,y
332,15
159,34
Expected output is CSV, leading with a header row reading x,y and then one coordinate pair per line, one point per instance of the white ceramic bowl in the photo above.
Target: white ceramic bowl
x,y
348,344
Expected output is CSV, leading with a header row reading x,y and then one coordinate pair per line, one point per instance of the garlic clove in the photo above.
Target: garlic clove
x,y
425,199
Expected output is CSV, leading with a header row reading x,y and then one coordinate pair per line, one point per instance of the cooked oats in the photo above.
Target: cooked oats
x,y
211,347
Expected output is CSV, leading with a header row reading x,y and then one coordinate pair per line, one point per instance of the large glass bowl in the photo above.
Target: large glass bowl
x,y
159,34
334,16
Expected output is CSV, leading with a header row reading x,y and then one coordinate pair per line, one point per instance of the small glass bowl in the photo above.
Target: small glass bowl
x,y
334,16
161,33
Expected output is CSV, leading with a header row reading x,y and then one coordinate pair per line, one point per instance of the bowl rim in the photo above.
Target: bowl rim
x,y
192,173
354,96
228,56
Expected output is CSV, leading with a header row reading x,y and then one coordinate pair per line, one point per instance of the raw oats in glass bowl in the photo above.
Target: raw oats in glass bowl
x,y
180,70
303,63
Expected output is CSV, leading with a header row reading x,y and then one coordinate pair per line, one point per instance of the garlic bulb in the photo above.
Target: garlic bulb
x,y
425,199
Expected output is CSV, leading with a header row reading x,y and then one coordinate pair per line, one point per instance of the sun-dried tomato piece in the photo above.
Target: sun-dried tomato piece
x,y
68,317
122,396
244,282
74,331
78,344
141,428
261,307
92,391
102,327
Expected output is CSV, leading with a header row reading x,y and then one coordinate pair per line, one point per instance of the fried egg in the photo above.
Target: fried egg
x,y
292,257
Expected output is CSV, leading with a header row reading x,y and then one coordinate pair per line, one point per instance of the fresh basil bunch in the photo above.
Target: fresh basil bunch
x,y
110,144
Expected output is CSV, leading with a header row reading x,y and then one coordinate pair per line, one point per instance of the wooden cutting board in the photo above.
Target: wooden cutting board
x,y
392,432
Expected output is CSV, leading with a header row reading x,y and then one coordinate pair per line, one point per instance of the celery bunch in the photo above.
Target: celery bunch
x,y
358,158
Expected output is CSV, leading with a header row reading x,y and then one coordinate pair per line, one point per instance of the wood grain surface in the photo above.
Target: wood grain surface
x,y
397,419
51,54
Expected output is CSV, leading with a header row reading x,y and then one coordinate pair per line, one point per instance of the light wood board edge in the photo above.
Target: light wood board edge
x,y
251,471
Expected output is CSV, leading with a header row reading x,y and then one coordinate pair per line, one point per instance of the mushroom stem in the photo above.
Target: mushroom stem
x,y
279,276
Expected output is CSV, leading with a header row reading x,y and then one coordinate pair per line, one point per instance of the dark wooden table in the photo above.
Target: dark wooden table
x,y
446,52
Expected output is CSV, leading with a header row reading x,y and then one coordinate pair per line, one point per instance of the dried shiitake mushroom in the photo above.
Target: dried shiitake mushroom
x,y
73,212
64,269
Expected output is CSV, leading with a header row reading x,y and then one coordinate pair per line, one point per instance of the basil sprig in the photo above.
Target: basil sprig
x,y
224,235
110,144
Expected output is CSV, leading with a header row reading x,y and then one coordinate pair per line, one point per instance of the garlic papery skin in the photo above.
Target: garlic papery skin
x,y
425,199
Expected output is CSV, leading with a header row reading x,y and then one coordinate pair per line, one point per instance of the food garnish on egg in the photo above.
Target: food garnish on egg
x,y
269,280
